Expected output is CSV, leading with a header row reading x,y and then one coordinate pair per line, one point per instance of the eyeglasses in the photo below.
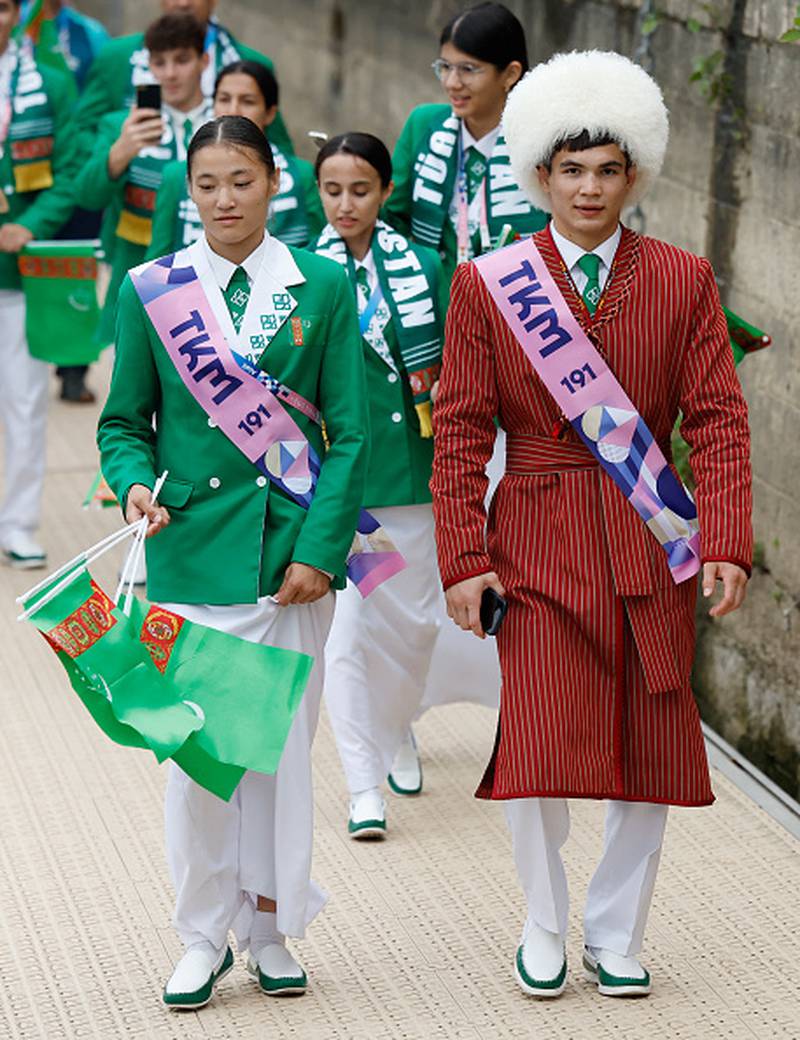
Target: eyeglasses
x,y
465,71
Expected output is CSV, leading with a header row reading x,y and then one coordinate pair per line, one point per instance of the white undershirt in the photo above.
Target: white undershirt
x,y
223,269
571,254
485,145
198,115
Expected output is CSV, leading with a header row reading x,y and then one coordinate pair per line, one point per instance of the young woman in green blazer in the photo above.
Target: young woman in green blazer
x,y
244,88
249,547
454,189
378,652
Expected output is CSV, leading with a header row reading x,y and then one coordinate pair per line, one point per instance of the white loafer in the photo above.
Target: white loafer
x,y
405,776
615,975
196,974
277,972
540,967
367,815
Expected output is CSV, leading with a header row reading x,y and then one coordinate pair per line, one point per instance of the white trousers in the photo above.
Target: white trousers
x,y
620,892
379,650
23,412
464,668
222,855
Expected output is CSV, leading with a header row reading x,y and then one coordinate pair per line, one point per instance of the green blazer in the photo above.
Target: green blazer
x,y
109,87
168,223
97,191
43,212
397,210
400,459
231,539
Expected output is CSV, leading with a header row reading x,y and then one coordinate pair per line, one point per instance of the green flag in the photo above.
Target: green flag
x,y
59,281
745,338
215,704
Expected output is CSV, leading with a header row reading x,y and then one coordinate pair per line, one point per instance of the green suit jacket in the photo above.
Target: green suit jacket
x,y
400,459
231,539
109,87
43,212
397,210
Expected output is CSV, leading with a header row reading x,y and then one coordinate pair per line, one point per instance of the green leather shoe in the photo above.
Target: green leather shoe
x,y
611,985
546,988
275,971
200,997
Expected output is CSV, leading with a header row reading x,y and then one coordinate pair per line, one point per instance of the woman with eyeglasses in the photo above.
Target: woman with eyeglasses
x,y
454,189
243,88
379,649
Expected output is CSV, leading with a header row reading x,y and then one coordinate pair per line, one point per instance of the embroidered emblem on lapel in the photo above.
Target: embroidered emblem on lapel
x,y
282,302
269,322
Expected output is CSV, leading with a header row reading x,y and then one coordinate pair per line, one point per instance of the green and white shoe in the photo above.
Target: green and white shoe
x,y
540,967
615,975
277,972
405,776
195,977
367,815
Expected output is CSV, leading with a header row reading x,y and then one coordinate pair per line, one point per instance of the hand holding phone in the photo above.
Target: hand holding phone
x,y
493,610
148,95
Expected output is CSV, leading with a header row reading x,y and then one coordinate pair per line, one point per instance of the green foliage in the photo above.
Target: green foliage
x,y
715,84
760,557
651,23
792,35
680,456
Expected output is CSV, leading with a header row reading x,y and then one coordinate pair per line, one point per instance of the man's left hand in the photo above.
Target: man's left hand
x,y
14,237
734,586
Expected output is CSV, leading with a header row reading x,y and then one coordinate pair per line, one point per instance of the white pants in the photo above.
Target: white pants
x,y
620,892
464,668
222,855
379,650
23,412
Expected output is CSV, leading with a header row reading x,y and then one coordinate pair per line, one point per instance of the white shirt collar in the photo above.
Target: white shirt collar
x,y
571,253
368,263
485,145
223,269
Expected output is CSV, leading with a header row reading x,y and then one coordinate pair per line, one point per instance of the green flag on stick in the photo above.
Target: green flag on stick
x,y
217,705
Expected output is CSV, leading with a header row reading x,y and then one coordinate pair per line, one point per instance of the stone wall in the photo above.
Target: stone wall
x,y
730,190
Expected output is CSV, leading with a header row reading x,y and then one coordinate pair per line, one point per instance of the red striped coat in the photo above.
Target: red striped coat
x,y
597,647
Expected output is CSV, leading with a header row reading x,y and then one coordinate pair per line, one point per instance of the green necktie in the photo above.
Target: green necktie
x,y
589,263
187,133
236,296
475,166
362,289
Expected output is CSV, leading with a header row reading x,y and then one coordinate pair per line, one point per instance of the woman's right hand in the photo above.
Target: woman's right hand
x,y
140,503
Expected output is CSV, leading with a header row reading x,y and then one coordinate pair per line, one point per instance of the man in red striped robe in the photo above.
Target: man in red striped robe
x,y
597,647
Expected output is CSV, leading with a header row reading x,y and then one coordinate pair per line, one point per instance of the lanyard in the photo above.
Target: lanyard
x,y
462,227
375,300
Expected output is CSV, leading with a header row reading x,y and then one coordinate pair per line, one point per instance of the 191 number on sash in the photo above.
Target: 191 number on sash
x,y
253,420
578,379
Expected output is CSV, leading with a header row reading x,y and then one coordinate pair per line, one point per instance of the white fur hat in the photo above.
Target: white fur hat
x,y
599,91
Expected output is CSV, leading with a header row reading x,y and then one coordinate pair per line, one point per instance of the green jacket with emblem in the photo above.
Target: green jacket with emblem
x,y
43,212
108,87
400,459
231,539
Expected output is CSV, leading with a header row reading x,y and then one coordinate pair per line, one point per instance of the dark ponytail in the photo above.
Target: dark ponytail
x,y
489,32
264,79
237,131
364,146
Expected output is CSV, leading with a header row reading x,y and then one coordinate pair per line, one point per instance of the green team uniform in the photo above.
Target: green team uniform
x,y
426,165
123,63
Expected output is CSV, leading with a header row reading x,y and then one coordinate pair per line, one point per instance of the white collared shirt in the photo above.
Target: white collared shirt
x,y
485,145
199,115
223,269
572,253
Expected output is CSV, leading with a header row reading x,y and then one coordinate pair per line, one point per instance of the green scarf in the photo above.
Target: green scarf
x,y
436,170
411,301
31,126
141,186
288,215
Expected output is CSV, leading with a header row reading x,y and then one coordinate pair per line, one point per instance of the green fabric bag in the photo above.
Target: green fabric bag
x,y
217,705
61,310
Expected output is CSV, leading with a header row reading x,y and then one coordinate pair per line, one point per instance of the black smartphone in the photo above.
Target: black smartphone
x,y
148,95
493,610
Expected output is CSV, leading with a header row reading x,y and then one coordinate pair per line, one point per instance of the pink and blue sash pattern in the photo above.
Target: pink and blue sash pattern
x,y
588,393
246,404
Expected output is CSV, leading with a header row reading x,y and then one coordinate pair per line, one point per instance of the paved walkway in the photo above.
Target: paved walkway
x,y
418,939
